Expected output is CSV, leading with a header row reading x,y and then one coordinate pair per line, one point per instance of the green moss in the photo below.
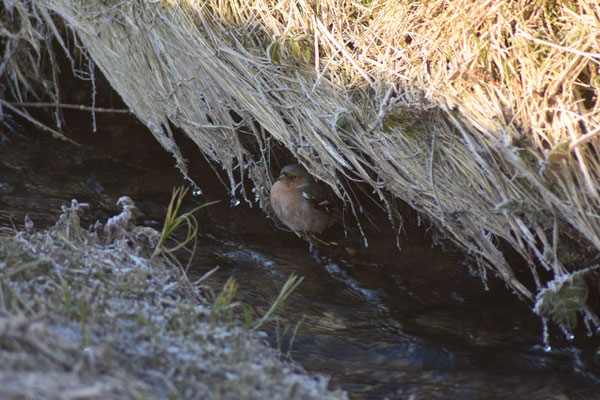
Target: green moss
x,y
295,49
563,301
411,124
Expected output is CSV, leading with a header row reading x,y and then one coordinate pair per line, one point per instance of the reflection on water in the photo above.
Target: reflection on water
x,y
386,322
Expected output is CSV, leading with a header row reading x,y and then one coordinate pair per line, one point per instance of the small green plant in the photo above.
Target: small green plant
x,y
173,221
294,337
224,304
290,285
282,333
562,300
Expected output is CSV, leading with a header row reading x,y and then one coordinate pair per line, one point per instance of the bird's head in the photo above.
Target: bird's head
x,y
294,175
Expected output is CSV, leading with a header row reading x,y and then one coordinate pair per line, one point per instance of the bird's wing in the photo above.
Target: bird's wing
x,y
316,195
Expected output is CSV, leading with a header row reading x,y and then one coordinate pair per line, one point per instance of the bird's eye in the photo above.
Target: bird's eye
x,y
292,177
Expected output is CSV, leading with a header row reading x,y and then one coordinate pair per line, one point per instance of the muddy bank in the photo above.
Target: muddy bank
x,y
86,313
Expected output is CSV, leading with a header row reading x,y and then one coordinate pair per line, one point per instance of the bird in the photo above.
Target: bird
x,y
299,201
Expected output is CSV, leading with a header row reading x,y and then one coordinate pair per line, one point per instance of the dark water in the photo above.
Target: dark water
x,y
412,323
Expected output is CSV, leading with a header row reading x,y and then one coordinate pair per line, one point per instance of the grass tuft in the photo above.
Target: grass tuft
x,y
174,220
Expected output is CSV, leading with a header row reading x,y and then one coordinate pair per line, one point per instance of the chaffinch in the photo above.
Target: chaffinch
x,y
296,199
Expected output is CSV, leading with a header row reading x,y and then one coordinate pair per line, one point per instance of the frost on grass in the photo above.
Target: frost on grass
x,y
85,313
563,299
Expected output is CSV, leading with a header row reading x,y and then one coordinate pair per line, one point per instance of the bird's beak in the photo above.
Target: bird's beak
x,y
280,177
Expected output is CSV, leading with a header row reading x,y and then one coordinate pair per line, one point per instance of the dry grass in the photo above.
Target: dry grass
x,y
482,115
